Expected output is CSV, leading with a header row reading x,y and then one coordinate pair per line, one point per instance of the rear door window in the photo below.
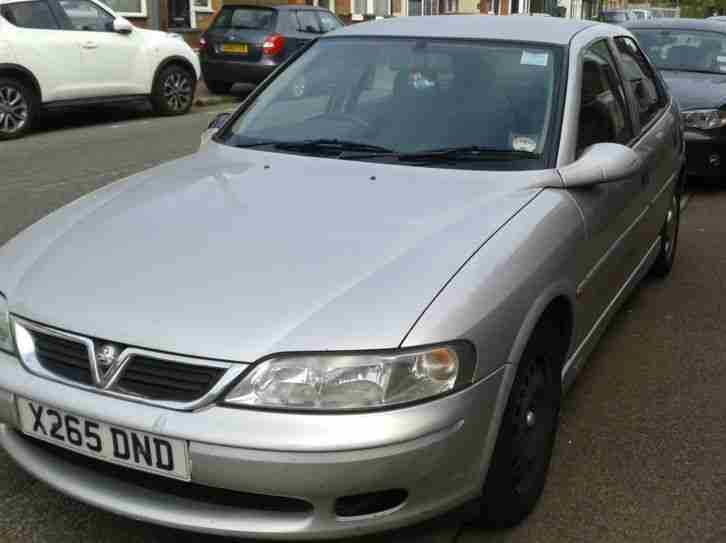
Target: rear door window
x,y
328,21
30,15
307,21
245,18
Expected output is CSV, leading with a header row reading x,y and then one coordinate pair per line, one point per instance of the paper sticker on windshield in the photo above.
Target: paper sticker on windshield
x,y
533,58
721,59
523,143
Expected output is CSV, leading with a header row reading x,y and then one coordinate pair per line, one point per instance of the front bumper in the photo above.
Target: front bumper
x,y
705,154
437,452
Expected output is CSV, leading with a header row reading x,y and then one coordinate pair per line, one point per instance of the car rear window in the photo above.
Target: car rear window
x,y
30,15
246,18
614,17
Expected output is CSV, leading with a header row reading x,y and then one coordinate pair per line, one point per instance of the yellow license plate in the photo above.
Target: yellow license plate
x,y
239,48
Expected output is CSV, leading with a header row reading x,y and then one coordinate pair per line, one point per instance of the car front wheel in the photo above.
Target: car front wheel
x,y
17,108
669,237
173,91
521,458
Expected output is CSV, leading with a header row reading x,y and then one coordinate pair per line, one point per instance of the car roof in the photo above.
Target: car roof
x,y
677,24
510,28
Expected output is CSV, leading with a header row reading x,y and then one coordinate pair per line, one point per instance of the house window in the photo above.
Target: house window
x,y
423,7
203,6
378,8
128,8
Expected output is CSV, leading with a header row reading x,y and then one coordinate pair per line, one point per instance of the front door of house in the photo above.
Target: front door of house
x,y
179,14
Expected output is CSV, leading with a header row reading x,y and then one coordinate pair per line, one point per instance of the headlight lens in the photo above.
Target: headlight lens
x,y
704,119
6,338
354,381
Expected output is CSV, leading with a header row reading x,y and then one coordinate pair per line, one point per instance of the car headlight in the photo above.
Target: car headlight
x,y
6,338
332,381
704,119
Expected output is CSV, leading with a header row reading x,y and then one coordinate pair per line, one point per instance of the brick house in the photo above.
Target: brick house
x,y
574,9
511,7
186,17
359,10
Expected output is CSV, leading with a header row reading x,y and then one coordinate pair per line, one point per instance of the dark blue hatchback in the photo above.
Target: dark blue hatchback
x,y
245,43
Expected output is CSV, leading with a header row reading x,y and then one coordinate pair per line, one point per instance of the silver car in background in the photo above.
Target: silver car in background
x,y
359,304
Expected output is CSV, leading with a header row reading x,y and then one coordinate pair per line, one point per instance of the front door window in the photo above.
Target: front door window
x,y
85,15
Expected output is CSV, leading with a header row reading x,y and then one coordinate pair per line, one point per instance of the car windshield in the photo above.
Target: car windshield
x,y
686,50
473,101
245,18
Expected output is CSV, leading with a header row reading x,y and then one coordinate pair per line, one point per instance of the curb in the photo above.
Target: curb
x,y
207,101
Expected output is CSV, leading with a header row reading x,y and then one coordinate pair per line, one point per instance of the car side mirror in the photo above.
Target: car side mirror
x,y
214,126
602,163
122,26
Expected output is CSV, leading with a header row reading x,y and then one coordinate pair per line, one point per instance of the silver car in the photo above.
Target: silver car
x,y
359,304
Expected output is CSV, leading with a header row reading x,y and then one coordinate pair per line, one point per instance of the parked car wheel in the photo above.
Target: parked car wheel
x,y
218,87
173,92
18,105
669,237
518,469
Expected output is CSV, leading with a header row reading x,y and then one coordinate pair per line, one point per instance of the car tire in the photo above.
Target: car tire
x,y
18,108
173,92
669,237
521,458
218,87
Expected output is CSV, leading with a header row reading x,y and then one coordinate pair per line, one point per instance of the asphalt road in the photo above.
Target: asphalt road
x,y
641,452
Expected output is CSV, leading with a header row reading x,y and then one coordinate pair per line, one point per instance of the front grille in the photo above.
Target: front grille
x,y
63,357
144,374
166,380
190,491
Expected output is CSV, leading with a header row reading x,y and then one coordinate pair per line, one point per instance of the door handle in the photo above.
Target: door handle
x,y
90,45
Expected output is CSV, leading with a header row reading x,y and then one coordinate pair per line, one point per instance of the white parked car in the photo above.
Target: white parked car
x,y
60,53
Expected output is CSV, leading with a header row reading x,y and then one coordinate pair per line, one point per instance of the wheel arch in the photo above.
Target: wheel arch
x,y
170,61
556,303
22,73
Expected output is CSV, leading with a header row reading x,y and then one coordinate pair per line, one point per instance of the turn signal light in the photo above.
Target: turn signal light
x,y
273,44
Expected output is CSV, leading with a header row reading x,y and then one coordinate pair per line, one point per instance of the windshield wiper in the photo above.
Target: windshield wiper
x,y
467,152
335,145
